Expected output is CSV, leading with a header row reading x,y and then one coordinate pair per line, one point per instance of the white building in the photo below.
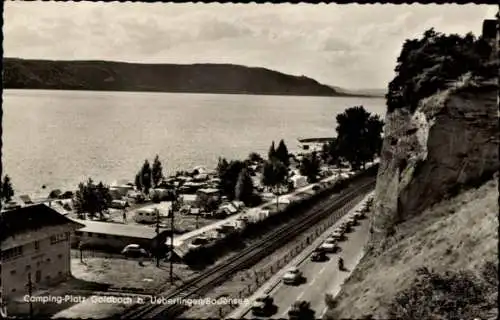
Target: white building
x,y
298,181
35,245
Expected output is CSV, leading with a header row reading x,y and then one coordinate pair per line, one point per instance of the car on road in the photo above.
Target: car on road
x,y
337,235
301,310
263,306
345,227
330,246
292,276
359,215
134,251
352,221
318,255
316,188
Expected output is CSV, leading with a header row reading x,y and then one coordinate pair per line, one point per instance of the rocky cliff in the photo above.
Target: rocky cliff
x,y
450,140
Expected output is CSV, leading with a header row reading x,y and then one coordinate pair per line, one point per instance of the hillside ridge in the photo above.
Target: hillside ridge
x,y
126,76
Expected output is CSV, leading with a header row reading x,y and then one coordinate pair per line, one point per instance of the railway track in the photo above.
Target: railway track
x,y
202,283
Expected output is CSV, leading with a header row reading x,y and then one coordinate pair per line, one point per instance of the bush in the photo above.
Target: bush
x,y
450,295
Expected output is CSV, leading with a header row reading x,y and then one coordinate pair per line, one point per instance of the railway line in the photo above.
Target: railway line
x,y
202,283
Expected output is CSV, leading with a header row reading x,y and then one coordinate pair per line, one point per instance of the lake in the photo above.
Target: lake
x,y
60,138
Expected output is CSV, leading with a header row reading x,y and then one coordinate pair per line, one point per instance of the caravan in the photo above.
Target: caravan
x,y
149,215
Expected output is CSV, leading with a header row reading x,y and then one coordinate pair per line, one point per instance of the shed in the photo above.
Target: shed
x,y
115,236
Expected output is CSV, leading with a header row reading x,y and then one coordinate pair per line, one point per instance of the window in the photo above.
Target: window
x,y
102,236
89,234
78,233
12,253
59,238
59,255
28,267
12,272
14,290
60,273
48,259
37,245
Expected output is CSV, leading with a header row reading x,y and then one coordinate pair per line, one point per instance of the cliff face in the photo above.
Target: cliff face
x,y
451,139
120,76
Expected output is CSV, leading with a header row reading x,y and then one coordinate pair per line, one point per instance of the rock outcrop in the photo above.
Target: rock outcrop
x,y
451,139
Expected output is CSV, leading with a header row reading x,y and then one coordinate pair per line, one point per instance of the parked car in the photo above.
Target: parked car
x,y
330,246
135,251
198,242
318,255
316,188
301,310
292,276
263,306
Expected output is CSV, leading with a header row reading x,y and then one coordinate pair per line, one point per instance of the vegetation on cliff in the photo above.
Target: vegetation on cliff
x,y
429,64
121,76
441,264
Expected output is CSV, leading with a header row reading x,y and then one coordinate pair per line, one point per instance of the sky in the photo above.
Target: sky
x,y
352,46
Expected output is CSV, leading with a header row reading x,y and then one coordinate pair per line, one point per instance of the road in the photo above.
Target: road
x,y
321,277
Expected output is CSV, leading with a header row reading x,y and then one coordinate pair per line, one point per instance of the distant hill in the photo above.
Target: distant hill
x,y
360,92
121,76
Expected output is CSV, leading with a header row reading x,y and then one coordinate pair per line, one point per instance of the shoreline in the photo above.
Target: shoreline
x,y
342,95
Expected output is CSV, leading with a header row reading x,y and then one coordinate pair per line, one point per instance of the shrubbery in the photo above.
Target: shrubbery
x,y
449,295
427,65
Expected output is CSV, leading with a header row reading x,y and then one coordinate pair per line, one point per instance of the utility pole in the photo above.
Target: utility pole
x,y
172,213
157,249
30,292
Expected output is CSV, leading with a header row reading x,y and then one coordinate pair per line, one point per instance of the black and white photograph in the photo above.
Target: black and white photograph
x,y
249,161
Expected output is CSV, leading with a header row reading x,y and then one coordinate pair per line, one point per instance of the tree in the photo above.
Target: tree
x,y
282,153
244,187
92,199
428,64
146,178
6,189
255,157
138,181
272,152
229,177
274,176
310,167
358,136
156,172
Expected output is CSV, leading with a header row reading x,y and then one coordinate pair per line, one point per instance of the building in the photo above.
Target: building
x,y
35,244
188,199
115,236
207,194
298,181
489,29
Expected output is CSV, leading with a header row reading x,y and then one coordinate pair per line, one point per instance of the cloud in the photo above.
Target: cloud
x,y
346,45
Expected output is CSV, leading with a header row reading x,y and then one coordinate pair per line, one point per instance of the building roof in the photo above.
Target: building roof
x,y
30,218
189,197
209,190
118,229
